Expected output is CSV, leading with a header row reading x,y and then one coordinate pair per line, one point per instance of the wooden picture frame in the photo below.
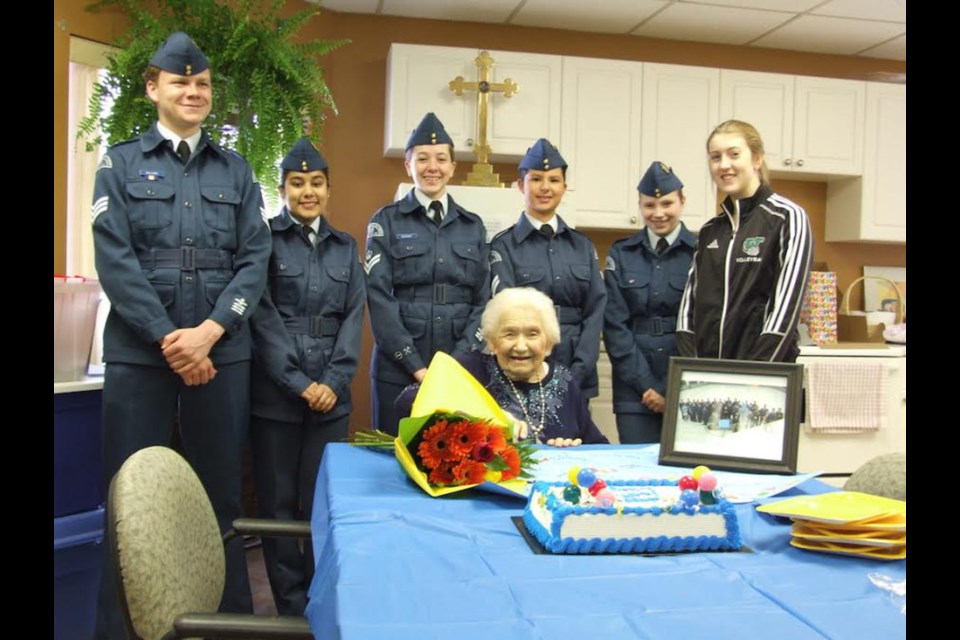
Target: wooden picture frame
x,y
737,415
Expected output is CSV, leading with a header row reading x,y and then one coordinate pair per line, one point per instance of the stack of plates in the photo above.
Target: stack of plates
x,y
847,523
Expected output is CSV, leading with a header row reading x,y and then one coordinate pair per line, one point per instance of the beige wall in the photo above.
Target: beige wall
x,y
362,179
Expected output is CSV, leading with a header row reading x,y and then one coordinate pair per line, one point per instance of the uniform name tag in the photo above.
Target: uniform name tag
x,y
151,175
406,236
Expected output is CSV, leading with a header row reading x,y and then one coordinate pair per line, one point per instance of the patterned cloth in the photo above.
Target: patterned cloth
x,y
846,397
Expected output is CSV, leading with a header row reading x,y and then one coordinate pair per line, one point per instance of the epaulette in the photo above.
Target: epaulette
x,y
503,231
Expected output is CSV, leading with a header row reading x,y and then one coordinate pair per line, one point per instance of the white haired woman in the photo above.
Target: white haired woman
x,y
520,327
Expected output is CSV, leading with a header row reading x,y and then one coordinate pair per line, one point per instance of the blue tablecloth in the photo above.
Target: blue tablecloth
x,y
394,563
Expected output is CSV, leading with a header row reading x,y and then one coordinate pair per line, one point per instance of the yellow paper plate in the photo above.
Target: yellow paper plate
x,y
875,553
864,538
897,522
838,507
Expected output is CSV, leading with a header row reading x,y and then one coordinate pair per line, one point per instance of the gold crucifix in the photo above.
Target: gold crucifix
x,y
482,174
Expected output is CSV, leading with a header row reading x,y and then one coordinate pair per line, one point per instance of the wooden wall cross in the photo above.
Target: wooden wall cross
x,y
482,173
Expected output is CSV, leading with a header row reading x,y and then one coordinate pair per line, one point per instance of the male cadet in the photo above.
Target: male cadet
x,y
427,274
542,252
181,251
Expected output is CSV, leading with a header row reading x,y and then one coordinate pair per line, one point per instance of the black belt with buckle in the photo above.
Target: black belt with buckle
x,y
435,293
186,259
655,326
315,326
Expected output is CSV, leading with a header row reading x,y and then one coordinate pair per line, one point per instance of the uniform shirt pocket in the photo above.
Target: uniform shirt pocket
x,y
529,276
286,281
410,265
166,291
469,257
336,295
220,207
636,290
151,204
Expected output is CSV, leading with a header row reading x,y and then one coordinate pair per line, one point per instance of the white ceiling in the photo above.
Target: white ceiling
x,y
873,28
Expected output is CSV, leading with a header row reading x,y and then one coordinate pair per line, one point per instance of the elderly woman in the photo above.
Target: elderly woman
x,y
520,327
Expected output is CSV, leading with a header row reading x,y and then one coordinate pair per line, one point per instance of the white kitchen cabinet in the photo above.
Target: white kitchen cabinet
x,y
873,208
809,125
681,106
600,140
418,79
843,453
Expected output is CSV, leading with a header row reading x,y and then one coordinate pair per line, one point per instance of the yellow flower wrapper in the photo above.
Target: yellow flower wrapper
x,y
448,389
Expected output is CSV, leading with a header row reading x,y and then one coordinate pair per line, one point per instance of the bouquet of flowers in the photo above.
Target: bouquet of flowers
x,y
445,449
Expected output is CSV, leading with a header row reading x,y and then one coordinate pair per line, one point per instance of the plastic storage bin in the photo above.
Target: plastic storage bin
x,y
75,301
78,545
77,467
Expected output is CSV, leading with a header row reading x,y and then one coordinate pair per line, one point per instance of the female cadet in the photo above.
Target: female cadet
x,y
645,277
542,252
743,298
427,274
306,345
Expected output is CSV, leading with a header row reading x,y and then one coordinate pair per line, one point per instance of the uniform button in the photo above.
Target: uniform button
x,y
283,267
221,196
187,204
186,173
556,277
313,288
658,266
656,293
188,278
151,192
631,280
188,240
440,260
660,349
438,319
309,350
409,247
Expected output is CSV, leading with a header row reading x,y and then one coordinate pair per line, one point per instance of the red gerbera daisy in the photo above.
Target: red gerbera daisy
x,y
512,458
459,440
443,474
496,439
435,446
471,472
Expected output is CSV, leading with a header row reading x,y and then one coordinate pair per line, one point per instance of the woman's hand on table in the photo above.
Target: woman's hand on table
x,y
564,442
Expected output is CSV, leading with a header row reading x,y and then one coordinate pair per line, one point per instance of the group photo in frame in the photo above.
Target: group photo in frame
x,y
737,415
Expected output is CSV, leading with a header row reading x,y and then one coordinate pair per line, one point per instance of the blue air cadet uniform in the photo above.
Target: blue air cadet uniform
x,y
427,284
644,288
562,263
306,329
178,242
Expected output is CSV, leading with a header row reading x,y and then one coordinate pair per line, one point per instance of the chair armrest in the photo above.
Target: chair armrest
x,y
237,625
267,529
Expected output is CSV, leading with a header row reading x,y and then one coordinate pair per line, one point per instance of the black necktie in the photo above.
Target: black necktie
x,y
183,150
307,232
546,230
662,245
437,210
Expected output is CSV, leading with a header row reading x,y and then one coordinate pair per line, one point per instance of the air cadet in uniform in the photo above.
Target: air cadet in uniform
x,y
306,335
181,252
427,273
645,277
542,252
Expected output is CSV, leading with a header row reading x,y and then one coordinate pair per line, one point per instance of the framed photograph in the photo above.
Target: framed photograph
x,y
737,415
880,296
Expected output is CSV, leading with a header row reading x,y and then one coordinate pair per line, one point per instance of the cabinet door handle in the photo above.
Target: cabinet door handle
x,y
469,142
633,219
800,163
787,161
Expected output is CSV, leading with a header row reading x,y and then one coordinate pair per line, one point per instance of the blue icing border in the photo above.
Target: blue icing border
x,y
552,541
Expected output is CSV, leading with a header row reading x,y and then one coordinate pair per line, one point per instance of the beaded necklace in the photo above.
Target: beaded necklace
x,y
537,429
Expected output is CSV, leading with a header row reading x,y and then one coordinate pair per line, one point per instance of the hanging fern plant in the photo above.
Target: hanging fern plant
x,y
268,91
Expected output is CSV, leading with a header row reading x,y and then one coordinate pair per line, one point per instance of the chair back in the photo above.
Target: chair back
x,y
165,541
884,475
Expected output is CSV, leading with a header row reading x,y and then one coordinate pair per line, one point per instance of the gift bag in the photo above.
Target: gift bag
x,y
819,311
